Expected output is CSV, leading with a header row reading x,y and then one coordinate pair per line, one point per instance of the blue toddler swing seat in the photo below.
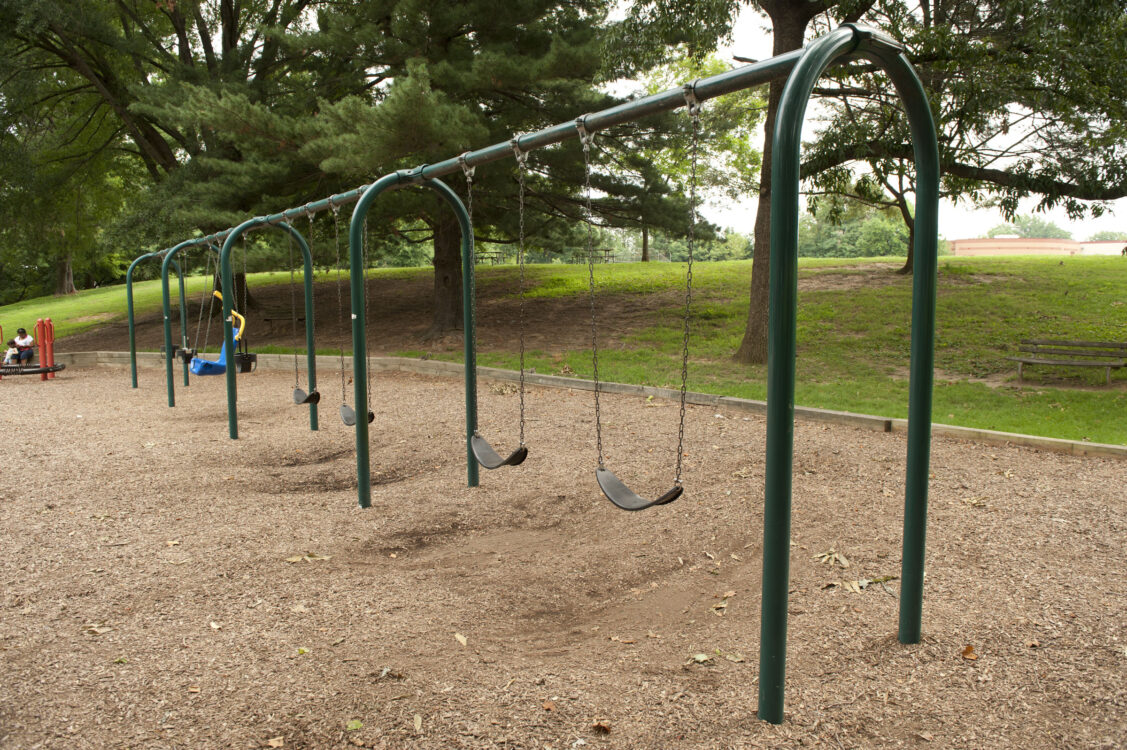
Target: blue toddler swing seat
x,y
244,362
201,366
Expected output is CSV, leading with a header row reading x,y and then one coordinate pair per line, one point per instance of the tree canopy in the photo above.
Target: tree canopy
x,y
1031,227
1027,95
234,108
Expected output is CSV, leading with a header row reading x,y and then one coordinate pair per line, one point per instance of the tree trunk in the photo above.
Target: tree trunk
x,y
910,221
447,276
243,299
64,276
645,242
788,35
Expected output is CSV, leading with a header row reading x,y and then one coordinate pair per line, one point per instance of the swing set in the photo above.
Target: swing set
x,y
801,68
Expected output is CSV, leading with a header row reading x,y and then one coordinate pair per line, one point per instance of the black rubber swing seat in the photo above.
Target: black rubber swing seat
x,y
348,415
301,397
6,370
491,459
625,498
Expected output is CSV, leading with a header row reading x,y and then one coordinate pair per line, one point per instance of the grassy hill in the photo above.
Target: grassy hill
x,y
853,328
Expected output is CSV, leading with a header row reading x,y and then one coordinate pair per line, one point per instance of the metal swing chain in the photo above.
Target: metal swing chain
x,y
210,306
468,171
586,138
694,112
522,162
367,368
340,294
246,285
199,322
293,309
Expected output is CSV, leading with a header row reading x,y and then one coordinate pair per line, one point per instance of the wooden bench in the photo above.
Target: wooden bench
x,y
493,257
273,316
1109,355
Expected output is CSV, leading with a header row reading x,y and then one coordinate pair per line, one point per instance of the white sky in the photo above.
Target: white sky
x,y
752,39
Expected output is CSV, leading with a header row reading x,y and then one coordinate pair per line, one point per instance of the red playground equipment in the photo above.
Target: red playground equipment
x,y
45,342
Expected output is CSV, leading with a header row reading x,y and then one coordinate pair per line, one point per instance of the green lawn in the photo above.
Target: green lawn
x,y
852,334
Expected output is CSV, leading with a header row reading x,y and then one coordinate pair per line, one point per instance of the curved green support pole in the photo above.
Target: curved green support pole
x,y
856,43
359,317
166,307
228,281
469,323
167,313
183,319
129,313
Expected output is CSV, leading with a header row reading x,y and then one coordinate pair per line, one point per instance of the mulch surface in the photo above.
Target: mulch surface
x,y
164,586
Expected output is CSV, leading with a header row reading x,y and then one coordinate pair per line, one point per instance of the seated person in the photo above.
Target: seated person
x,y
26,346
12,353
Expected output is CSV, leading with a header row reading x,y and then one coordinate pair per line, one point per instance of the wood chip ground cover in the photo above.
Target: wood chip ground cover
x,y
162,586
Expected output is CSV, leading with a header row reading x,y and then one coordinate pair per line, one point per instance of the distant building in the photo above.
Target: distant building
x,y
1020,246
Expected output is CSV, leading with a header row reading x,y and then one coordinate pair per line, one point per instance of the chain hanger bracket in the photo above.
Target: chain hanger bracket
x,y
689,90
467,169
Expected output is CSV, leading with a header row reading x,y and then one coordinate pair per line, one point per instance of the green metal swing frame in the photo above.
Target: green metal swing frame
x,y
802,68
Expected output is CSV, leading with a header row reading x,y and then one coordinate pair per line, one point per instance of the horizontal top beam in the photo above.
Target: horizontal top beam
x,y
332,202
702,89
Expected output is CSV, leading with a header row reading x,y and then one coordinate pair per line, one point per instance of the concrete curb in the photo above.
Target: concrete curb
x,y
454,369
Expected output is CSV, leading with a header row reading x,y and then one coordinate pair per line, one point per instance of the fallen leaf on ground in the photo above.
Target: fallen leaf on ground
x,y
171,543
549,706
969,654
831,557
601,727
97,628
275,742
418,723
353,725
193,688
700,658
460,638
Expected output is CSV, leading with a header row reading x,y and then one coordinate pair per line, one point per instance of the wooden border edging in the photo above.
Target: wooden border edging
x,y
750,406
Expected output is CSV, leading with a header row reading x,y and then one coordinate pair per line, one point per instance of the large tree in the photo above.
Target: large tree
x,y
249,106
1028,96
1028,100
699,24
63,177
449,78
